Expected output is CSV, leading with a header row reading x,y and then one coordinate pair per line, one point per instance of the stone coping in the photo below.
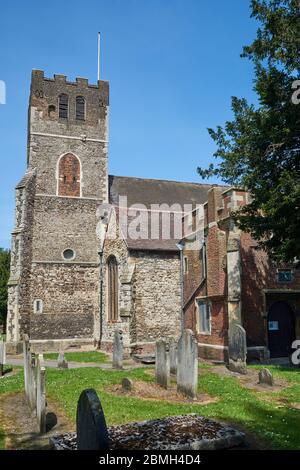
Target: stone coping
x,y
185,432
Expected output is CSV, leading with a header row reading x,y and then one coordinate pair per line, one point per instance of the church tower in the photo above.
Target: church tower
x,y
54,281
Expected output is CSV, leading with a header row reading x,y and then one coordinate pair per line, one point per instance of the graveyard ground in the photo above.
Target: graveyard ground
x,y
270,417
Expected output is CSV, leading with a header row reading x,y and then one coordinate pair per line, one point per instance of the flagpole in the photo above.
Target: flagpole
x,y
98,70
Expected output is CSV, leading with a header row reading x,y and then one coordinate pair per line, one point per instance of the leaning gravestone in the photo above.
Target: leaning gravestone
x,y
187,364
265,377
118,350
162,364
237,349
173,356
2,357
41,393
91,427
62,362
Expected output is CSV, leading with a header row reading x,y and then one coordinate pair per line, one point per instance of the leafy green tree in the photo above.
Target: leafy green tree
x,y
259,149
4,275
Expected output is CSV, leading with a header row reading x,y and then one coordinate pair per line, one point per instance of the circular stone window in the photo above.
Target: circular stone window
x,y
69,254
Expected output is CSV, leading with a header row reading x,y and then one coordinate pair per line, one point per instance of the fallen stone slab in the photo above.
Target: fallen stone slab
x,y
186,432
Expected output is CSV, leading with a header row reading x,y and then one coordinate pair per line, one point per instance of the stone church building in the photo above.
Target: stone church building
x,y
72,282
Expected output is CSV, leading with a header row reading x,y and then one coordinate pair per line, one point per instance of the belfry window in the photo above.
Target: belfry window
x,y
63,106
112,289
80,108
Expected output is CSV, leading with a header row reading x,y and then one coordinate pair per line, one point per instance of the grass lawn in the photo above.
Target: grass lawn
x,y
268,415
84,356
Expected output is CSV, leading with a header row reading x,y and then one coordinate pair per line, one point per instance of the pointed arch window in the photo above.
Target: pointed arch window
x,y
80,108
69,176
63,106
113,289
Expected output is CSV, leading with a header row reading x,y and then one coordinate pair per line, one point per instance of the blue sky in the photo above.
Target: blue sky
x,y
172,65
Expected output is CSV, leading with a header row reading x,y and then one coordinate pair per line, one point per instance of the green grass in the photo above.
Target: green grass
x,y
2,337
87,356
2,440
268,415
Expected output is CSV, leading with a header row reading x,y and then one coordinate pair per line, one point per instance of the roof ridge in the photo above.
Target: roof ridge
x,y
168,181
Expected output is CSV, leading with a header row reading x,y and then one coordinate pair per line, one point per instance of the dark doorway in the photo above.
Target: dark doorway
x,y
281,329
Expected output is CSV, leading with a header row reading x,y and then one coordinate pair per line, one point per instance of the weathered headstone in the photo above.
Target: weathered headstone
x,y
90,422
162,363
41,394
187,364
62,362
237,349
29,374
26,361
2,357
173,356
127,385
118,350
32,382
265,377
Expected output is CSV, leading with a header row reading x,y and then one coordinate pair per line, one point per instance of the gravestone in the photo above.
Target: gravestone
x,y
32,382
265,377
62,362
162,364
26,361
127,385
90,422
187,364
173,356
29,374
41,393
118,350
237,349
2,357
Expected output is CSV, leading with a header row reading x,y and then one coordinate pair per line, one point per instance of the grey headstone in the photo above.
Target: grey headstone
x,y
237,349
2,356
62,362
26,363
173,356
118,350
90,422
162,363
187,364
265,377
32,382
41,393
127,385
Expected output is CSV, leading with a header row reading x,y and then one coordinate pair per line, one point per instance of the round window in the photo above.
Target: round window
x,y
69,254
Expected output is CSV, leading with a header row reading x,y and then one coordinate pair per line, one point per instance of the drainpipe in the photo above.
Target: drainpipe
x,y
180,247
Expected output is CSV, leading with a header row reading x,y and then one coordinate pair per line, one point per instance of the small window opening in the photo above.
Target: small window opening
x,y
204,317
38,306
51,111
69,254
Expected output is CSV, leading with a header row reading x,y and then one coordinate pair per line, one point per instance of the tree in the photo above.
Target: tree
x,y
4,275
259,149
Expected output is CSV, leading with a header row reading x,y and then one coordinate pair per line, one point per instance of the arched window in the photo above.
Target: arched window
x,y
63,104
80,108
112,289
51,111
69,176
